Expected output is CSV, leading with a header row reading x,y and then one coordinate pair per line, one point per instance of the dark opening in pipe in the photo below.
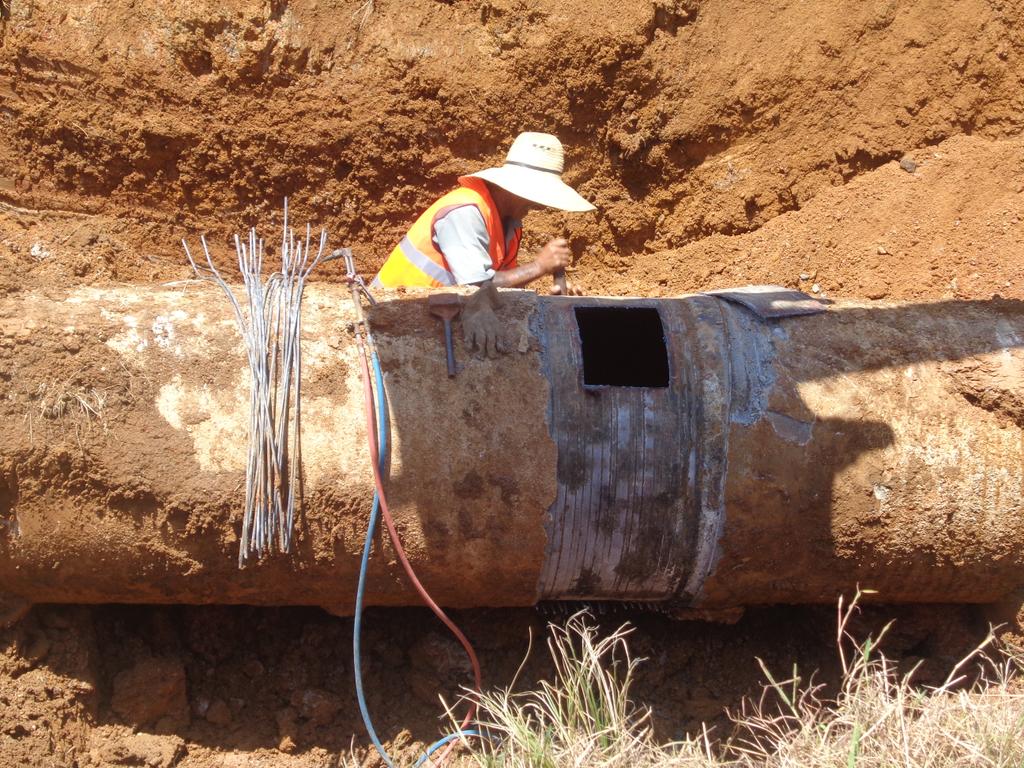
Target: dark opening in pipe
x,y
622,346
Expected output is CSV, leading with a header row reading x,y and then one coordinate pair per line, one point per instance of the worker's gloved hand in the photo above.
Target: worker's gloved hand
x,y
481,328
555,255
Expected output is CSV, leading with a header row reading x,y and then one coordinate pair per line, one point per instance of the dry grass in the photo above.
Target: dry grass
x,y
70,409
879,717
57,401
583,717
363,14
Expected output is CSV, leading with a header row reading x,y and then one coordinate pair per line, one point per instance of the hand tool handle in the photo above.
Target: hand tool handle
x,y
448,348
563,288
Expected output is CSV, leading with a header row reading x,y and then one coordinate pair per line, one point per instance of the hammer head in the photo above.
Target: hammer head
x,y
445,305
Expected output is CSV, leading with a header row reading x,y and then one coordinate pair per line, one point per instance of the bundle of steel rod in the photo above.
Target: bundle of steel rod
x,y
269,318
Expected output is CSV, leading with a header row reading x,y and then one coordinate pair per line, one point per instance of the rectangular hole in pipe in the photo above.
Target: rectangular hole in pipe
x,y
622,346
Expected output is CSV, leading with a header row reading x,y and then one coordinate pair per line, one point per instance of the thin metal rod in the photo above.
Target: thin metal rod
x,y
269,319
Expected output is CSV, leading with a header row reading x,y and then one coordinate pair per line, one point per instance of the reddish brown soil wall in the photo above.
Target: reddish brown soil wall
x,y
127,126
725,141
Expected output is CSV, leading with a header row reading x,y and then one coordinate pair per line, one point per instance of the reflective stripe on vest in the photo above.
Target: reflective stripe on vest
x,y
416,260
423,263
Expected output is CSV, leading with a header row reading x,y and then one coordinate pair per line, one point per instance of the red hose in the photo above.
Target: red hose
x,y
371,421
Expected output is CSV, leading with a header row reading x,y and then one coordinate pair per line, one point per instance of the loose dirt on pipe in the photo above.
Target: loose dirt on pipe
x,y
742,460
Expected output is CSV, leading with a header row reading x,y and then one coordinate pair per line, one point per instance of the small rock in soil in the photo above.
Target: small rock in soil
x,y
253,668
443,656
315,705
218,713
907,164
152,689
171,724
201,706
437,662
815,288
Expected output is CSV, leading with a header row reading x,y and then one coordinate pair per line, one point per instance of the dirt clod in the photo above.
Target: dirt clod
x,y
219,713
12,610
438,662
151,689
38,649
287,729
315,705
142,749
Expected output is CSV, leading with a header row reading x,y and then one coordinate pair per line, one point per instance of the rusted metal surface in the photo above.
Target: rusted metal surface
x,y
762,460
773,482
872,457
771,301
717,374
641,471
625,518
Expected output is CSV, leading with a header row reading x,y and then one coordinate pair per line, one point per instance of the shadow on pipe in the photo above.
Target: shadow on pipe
x,y
780,460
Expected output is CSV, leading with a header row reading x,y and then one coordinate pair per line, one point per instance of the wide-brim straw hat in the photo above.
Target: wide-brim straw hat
x,y
533,170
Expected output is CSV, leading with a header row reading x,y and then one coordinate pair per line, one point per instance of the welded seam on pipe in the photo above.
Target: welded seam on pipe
x,y
713,448
746,351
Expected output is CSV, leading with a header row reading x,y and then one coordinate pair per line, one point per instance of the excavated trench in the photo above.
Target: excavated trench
x,y
725,142
687,453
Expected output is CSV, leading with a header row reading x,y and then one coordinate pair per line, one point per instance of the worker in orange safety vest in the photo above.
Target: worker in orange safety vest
x,y
471,235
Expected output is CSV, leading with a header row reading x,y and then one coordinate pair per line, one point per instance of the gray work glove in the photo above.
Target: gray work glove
x,y
481,328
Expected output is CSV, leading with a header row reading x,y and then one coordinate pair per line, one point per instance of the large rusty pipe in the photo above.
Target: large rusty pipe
x,y
680,450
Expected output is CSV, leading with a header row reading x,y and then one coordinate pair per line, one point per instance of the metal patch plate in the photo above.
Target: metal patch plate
x,y
771,301
637,511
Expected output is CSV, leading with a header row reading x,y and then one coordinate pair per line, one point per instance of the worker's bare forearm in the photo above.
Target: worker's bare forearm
x,y
518,276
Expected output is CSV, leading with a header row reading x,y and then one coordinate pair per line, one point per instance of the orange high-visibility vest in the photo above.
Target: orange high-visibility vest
x,y
416,261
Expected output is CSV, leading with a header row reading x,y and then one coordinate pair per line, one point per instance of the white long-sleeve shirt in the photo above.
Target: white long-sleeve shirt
x,y
461,235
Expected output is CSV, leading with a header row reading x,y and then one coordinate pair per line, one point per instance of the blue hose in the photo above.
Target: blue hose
x,y
357,623
441,742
